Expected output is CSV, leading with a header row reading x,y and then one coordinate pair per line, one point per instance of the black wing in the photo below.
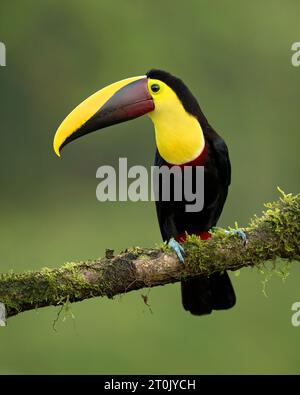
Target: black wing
x,y
220,152
172,217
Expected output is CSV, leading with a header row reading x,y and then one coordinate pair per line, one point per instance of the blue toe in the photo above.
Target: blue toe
x,y
237,232
241,234
177,248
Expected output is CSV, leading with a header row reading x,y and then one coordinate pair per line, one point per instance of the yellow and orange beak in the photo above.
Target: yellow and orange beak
x,y
119,102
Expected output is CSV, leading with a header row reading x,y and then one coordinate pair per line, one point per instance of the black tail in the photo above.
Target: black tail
x,y
202,295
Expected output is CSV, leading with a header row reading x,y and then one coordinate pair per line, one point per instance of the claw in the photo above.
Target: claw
x,y
177,248
239,233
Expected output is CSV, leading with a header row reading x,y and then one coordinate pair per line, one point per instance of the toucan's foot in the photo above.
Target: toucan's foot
x,y
239,233
177,247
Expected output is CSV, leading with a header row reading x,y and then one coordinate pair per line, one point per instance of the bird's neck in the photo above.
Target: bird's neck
x,y
179,136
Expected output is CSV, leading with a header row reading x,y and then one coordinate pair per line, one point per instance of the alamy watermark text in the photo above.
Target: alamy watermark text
x,y
176,183
2,54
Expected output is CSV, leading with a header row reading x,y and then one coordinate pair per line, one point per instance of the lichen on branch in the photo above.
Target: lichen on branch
x,y
275,234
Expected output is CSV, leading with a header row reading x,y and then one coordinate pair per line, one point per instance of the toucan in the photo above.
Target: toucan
x,y
183,137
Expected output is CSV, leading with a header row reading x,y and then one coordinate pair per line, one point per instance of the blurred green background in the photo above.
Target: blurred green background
x,y
236,58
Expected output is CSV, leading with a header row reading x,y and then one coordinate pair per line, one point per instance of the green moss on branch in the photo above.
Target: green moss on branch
x,y
273,235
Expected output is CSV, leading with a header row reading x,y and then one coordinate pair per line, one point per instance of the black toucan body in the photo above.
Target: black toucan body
x,y
183,138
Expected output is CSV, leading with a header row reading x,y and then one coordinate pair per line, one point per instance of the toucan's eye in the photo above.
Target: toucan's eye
x,y
155,88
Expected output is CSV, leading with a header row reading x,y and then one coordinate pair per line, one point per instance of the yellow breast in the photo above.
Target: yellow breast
x,y
179,136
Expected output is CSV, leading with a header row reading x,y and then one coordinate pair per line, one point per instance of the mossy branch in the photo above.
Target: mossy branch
x,y
273,235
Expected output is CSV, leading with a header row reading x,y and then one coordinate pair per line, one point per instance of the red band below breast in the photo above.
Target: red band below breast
x,y
199,161
203,235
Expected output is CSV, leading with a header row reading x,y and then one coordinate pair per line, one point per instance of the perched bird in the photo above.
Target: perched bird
x,y
183,138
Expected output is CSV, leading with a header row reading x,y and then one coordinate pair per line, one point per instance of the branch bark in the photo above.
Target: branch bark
x,y
273,235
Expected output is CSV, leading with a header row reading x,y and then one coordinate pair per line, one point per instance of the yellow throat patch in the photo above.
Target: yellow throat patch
x,y
179,137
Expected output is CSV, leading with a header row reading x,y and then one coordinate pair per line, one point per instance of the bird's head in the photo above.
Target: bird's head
x,y
166,99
